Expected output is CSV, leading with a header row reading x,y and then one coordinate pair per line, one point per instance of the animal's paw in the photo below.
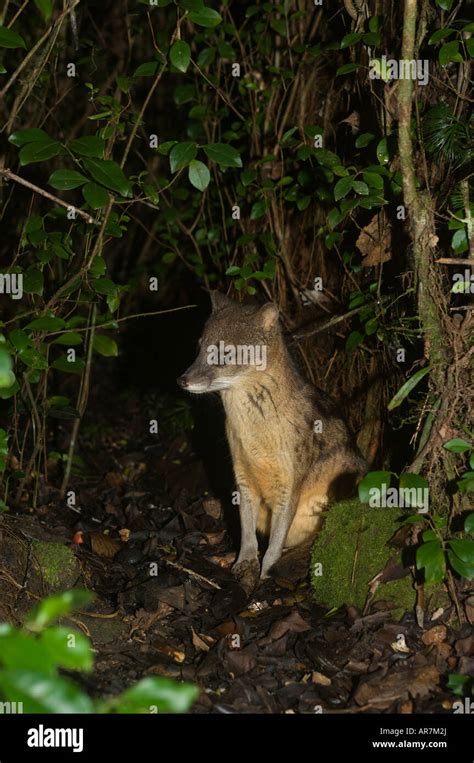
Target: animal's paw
x,y
247,572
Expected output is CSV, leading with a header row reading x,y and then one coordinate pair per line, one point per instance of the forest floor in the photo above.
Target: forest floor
x,y
152,543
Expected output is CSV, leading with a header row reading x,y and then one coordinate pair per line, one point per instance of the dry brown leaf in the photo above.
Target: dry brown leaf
x,y
215,538
104,545
374,241
383,692
469,609
201,642
435,635
213,507
319,678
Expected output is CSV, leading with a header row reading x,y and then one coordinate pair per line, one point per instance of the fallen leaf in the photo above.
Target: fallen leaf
x,y
435,635
104,545
319,678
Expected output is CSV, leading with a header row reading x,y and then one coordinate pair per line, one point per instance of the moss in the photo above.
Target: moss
x,y
59,566
351,549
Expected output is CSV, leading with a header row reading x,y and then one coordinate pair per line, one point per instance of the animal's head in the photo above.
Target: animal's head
x,y
234,344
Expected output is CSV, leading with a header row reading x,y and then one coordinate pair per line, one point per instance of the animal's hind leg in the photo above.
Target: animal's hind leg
x,y
282,516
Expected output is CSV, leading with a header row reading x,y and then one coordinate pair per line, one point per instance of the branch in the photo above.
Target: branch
x,y
9,175
454,261
35,47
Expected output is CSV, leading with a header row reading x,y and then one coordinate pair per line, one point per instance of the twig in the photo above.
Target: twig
x,y
81,403
337,319
454,261
192,574
9,175
33,50
140,115
38,439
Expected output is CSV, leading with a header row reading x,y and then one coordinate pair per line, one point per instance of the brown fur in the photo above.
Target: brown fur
x,y
285,471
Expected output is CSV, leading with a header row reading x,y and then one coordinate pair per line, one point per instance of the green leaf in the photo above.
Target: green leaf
x,y
206,17
247,177
166,695
414,482
181,154
430,557
65,180
364,139
206,57
41,693
180,55
457,683
382,152
353,340
46,324
440,34
22,651
69,338
68,648
415,519
258,210
223,155
28,135
361,188
105,286
45,7
446,5
148,69
96,196
347,69
109,174
19,339
10,39
33,359
373,481
469,523
372,39
33,281
89,145
449,52
350,39
104,345
342,187
464,549
407,387
68,366
463,568
459,241
374,180
199,175
7,377
39,151
52,607
457,445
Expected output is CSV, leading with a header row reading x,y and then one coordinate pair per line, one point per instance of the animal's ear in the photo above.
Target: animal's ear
x,y
268,315
219,301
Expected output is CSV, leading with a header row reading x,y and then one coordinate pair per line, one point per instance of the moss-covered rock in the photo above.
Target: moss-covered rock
x,y
59,567
350,550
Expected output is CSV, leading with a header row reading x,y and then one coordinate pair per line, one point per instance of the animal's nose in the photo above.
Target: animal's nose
x,y
183,381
